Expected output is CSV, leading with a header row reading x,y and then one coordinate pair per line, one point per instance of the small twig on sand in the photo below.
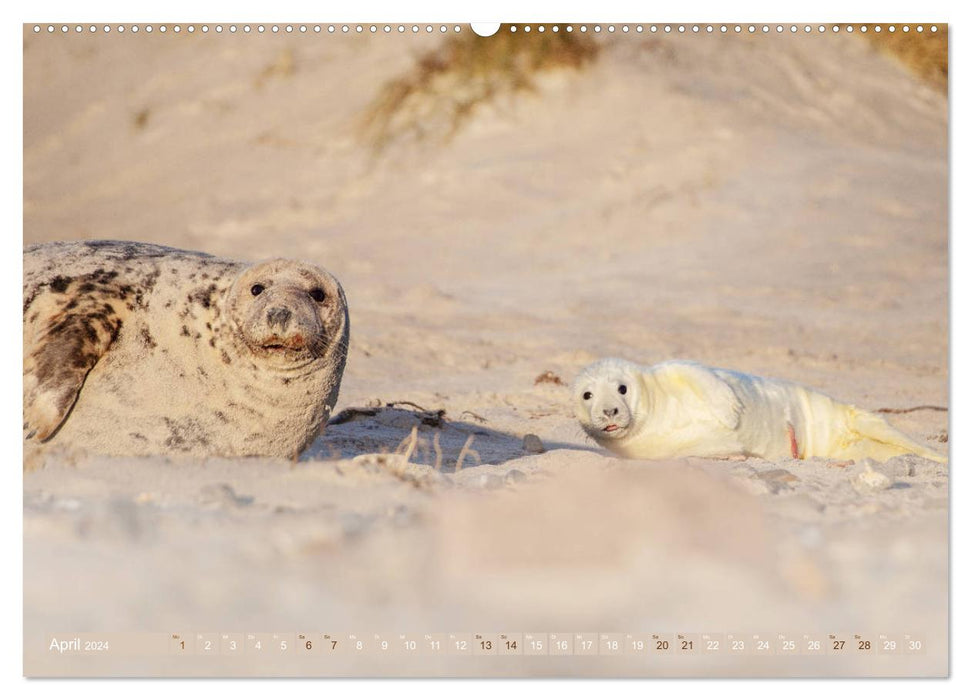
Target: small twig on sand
x,y
465,450
548,377
392,404
438,451
435,419
911,410
349,414
474,416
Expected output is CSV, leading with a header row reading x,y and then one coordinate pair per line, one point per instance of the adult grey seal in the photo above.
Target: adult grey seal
x,y
136,349
684,409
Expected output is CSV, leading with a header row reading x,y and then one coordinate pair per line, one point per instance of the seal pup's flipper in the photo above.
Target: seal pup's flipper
x,y
889,442
65,339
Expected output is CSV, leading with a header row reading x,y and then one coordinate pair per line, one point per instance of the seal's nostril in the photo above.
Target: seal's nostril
x,y
278,316
610,412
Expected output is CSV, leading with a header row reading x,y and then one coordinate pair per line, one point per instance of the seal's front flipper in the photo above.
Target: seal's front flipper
x,y
64,341
885,441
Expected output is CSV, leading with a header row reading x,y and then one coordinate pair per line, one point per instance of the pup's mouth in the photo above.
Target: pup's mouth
x,y
611,428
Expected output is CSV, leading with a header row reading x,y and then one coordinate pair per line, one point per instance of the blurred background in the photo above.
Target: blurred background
x,y
707,186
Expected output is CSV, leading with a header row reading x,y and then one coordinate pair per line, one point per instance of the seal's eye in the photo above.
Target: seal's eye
x,y
622,388
317,294
587,396
256,289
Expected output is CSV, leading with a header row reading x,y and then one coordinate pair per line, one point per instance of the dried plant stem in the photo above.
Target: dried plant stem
x,y
392,404
465,450
912,409
438,450
409,443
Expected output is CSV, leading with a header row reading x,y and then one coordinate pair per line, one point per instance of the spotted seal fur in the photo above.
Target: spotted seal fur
x,y
134,349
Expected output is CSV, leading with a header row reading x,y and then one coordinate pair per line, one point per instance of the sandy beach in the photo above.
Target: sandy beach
x,y
774,204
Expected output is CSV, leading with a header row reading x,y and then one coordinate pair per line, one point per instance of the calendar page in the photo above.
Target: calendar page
x,y
513,350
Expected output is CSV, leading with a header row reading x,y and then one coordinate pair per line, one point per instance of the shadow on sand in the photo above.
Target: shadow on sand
x,y
437,442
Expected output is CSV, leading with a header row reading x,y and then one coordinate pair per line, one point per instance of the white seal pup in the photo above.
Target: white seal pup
x,y
137,349
684,409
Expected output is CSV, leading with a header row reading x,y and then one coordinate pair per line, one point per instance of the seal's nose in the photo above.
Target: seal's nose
x,y
278,317
611,412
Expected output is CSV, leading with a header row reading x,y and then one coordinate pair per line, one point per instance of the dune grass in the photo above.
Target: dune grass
x,y
445,86
922,53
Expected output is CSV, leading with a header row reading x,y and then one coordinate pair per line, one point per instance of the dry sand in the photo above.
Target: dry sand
x,y
774,204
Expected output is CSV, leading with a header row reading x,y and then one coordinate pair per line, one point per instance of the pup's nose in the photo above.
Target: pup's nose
x,y
611,412
278,317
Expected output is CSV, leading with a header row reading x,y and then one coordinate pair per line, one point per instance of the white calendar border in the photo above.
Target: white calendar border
x,y
821,11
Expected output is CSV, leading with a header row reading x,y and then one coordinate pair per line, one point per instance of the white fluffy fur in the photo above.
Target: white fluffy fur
x,y
681,409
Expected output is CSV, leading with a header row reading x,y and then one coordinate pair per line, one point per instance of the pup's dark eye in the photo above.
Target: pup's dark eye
x,y
587,396
317,294
622,388
256,289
